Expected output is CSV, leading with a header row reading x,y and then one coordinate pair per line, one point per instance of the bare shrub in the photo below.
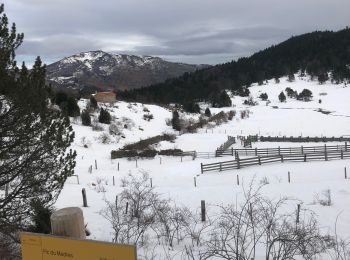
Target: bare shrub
x,y
148,117
325,199
245,114
114,129
105,138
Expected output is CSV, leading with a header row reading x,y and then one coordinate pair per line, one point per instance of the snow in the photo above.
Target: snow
x,y
174,179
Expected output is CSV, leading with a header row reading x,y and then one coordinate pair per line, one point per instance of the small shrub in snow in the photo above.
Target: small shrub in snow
x,y
93,103
147,117
96,127
264,181
250,102
85,142
245,114
325,199
291,93
145,109
114,129
231,114
105,138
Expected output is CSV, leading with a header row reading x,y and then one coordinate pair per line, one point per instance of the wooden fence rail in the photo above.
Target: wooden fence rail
x,y
282,150
305,139
259,160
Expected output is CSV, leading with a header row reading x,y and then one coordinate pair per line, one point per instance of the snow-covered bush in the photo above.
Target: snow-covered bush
x,y
115,129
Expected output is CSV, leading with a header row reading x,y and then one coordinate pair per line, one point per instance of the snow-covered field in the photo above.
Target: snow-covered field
x,y
174,179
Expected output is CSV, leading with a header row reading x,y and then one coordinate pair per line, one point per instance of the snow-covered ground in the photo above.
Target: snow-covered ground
x,y
173,178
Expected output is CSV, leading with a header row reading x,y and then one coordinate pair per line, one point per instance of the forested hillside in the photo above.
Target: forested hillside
x,y
319,54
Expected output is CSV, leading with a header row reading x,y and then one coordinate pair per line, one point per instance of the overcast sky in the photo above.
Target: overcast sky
x,y
192,31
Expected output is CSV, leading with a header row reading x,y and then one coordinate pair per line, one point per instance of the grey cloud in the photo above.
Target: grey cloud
x,y
181,29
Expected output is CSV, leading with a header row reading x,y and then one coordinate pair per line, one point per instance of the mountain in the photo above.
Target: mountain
x,y
321,55
98,70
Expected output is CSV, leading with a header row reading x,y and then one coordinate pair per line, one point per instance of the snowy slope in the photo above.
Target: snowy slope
x,y
173,178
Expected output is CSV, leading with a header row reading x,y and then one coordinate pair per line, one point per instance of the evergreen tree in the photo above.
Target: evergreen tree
x,y
85,118
282,97
264,96
104,117
305,95
175,121
207,112
35,137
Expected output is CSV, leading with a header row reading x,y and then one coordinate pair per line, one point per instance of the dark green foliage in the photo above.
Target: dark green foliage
x,y
207,112
264,96
221,100
322,77
85,118
243,92
93,103
68,104
311,53
123,154
175,121
40,217
35,138
170,152
146,143
104,117
291,93
305,95
282,97
192,107
291,77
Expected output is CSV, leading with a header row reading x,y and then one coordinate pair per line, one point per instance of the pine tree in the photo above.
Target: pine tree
x,y
104,117
282,97
85,118
35,138
207,112
175,121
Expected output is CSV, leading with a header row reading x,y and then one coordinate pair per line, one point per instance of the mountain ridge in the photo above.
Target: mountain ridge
x,y
91,71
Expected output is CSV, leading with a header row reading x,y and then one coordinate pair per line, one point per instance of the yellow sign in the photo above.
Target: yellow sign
x,y
47,247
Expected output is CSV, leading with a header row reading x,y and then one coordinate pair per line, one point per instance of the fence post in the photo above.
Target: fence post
x,y
113,181
237,180
136,162
96,164
341,154
288,177
346,146
151,182
232,151
195,181
201,168
83,191
203,215
304,157
325,152
238,163
279,150
298,214
345,174
220,167
160,160
118,166
259,160
302,149
282,160
256,151
68,222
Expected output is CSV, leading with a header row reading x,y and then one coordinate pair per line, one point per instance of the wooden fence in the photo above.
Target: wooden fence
x,y
300,139
230,141
259,160
281,150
